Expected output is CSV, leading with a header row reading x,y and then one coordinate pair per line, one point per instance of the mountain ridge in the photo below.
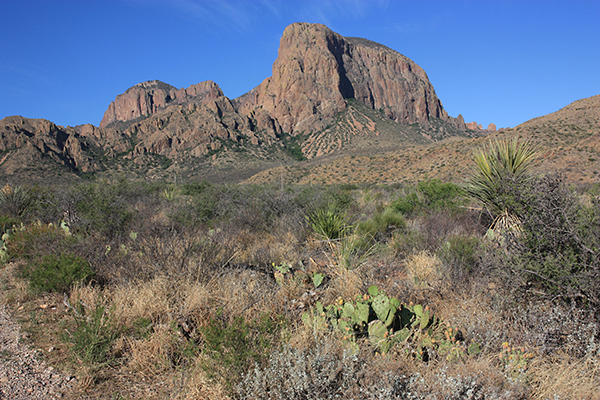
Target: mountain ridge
x,y
328,95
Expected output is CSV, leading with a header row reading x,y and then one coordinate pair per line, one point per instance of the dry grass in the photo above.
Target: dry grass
x,y
563,377
424,269
243,293
346,284
151,299
200,387
151,357
14,290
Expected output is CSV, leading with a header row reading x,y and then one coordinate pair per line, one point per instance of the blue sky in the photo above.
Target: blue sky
x,y
493,61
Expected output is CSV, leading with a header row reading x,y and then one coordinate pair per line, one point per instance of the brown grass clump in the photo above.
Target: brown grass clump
x,y
243,293
565,378
89,296
152,356
200,387
14,289
344,283
424,269
195,306
149,299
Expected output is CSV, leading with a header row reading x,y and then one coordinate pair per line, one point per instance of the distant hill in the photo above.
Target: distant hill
x,y
568,142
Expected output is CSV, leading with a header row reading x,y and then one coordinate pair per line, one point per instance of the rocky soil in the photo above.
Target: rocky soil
x,y
22,374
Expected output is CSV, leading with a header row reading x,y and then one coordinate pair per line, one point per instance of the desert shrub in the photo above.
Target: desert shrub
x,y
92,335
322,372
407,204
439,195
460,256
556,248
7,223
31,242
104,208
194,188
382,225
233,347
325,371
427,196
58,273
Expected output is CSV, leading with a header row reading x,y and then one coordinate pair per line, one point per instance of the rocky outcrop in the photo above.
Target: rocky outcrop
x,y
44,138
317,69
147,98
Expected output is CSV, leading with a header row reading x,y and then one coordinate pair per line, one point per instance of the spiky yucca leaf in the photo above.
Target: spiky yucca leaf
x,y
328,223
14,201
498,164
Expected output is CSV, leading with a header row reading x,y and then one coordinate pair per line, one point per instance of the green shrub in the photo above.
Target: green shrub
x,y
32,242
194,188
104,208
429,195
439,195
58,273
233,347
407,204
6,223
460,256
92,337
382,225
557,246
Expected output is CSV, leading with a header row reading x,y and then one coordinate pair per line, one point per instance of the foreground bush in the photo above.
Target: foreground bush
x,y
58,273
233,347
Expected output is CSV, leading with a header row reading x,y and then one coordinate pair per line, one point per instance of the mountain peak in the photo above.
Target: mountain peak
x,y
317,69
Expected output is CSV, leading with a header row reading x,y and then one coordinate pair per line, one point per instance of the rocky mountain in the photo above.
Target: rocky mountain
x,y
327,94
147,98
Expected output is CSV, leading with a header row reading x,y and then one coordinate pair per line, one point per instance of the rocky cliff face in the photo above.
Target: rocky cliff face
x,y
146,98
317,69
41,138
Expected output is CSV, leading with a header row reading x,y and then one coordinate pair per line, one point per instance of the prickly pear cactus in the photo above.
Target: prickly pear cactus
x,y
381,306
379,335
384,322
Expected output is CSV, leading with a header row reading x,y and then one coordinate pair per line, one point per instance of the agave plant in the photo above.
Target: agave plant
x,y
501,167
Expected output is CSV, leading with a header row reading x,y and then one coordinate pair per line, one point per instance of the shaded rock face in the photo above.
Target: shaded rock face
x,y
316,69
146,98
42,138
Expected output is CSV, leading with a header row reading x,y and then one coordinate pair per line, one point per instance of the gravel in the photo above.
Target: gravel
x,y
22,375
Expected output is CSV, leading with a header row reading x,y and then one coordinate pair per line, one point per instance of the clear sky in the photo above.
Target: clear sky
x,y
493,61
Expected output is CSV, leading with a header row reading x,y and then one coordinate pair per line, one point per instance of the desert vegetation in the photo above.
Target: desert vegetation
x,y
202,290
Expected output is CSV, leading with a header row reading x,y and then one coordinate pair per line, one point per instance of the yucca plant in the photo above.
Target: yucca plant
x,y
14,201
501,167
328,223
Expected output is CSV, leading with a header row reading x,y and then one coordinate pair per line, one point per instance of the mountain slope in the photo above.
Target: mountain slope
x,y
568,141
